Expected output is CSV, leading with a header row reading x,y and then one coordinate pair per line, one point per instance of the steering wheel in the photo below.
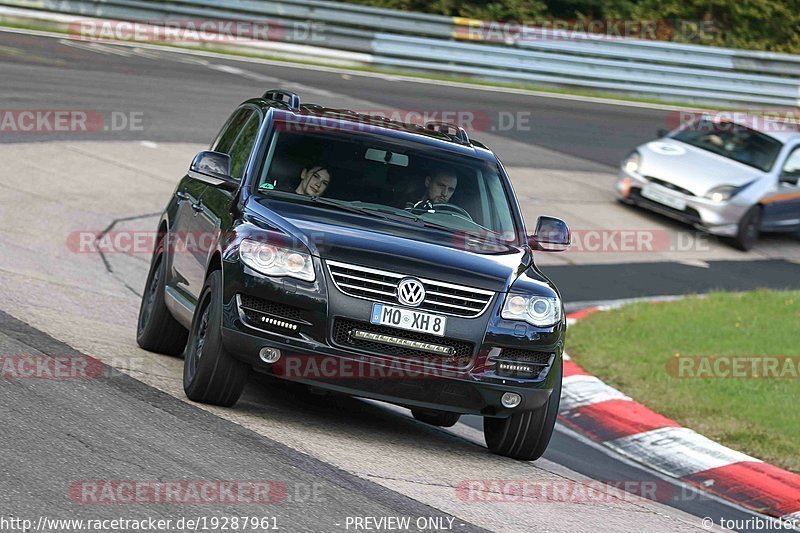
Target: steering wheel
x,y
453,208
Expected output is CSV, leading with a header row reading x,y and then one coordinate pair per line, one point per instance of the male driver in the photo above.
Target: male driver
x,y
313,181
439,188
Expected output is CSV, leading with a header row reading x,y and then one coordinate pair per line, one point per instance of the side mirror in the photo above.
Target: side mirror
x,y
791,177
551,235
213,168
662,133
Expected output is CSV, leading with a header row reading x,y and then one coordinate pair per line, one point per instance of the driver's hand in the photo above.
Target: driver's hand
x,y
423,204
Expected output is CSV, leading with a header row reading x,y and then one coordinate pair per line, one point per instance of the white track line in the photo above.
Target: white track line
x,y
677,451
581,390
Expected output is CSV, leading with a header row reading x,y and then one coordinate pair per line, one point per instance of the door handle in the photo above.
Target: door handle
x,y
197,207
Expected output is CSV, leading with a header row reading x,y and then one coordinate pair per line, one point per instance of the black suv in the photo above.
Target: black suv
x,y
360,255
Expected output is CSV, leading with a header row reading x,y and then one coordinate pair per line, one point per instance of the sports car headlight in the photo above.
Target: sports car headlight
x,y
632,162
276,261
722,193
537,310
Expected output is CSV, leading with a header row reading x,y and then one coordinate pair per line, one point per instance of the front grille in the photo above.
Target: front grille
x,y
669,185
380,286
518,363
342,328
689,214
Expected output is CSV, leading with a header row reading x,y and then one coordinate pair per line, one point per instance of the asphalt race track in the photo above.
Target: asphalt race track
x,y
335,457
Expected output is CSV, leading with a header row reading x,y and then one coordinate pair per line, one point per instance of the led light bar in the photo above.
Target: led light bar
x,y
516,367
391,340
278,323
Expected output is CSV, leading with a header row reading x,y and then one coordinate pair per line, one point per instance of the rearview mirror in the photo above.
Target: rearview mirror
x,y
551,235
213,168
389,158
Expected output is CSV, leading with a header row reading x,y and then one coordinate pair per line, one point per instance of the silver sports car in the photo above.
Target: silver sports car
x,y
724,177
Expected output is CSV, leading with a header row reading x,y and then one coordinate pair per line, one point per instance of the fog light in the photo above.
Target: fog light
x,y
511,400
269,355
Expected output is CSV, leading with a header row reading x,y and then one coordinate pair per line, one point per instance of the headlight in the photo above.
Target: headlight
x,y
722,193
631,163
537,310
276,261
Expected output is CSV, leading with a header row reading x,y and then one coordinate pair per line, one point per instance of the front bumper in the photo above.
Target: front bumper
x,y
718,218
310,353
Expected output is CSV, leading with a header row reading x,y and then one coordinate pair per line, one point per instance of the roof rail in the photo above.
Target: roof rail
x,y
286,97
457,132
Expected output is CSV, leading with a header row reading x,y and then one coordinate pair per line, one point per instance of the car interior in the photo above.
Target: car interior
x,y
371,172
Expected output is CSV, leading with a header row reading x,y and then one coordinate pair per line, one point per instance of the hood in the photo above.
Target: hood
x,y
394,246
692,168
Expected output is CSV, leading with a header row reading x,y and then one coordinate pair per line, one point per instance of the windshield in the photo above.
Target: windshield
x,y
390,179
733,141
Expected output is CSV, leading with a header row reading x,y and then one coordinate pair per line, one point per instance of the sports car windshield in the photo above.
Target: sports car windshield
x,y
733,141
391,179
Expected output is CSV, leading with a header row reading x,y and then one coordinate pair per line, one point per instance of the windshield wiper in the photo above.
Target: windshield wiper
x,y
394,215
377,212
410,215
327,202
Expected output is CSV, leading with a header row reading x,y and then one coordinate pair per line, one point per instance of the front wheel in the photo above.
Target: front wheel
x,y
749,228
524,435
210,374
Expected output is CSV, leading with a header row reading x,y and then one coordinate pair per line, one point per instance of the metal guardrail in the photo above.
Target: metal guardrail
x,y
455,46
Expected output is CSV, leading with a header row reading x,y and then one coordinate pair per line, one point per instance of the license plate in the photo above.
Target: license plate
x,y
663,196
398,317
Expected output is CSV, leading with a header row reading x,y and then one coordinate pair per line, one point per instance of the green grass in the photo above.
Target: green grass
x,y
630,348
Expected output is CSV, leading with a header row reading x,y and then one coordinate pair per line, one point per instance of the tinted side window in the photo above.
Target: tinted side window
x,y
228,134
243,146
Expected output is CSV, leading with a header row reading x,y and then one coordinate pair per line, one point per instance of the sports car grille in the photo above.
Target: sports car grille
x,y
380,286
342,335
689,214
670,186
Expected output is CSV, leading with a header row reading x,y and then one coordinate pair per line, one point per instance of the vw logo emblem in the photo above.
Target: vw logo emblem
x,y
410,292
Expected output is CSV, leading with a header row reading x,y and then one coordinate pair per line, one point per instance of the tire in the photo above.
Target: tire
x,y
524,436
156,329
210,374
747,235
436,418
